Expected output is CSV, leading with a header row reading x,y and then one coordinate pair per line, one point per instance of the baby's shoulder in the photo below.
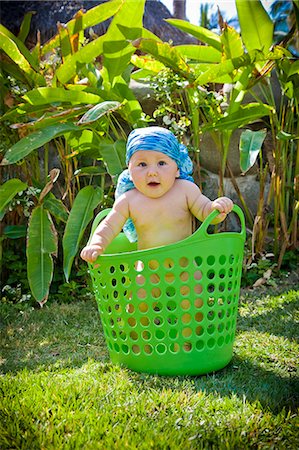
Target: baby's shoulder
x,y
186,186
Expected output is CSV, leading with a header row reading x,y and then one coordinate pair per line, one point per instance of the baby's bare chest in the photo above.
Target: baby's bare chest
x,y
170,211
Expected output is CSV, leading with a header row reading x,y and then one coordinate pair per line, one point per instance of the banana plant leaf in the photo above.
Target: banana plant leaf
x,y
256,26
14,71
35,140
21,46
141,74
41,245
164,53
245,115
23,109
8,191
147,63
25,26
200,53
131,110
85,55
10,47
15,231
84,141
126,26
51,118
65,42
45,95
227,67
114,156
250,146
81,214
98,111
213,71
231,43
56,208
92,17
293,68
201,33
90,170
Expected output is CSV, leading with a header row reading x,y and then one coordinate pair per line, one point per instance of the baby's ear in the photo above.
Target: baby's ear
x,y
177,174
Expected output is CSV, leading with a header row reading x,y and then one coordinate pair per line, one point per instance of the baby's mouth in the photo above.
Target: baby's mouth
x,y
153,183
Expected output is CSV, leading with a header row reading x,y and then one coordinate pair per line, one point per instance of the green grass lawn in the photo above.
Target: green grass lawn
x,y
60,391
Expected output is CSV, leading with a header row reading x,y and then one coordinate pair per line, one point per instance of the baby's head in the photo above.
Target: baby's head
x,y
160,140
155,159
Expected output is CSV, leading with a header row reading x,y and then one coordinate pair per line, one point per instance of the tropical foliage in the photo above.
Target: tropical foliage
x,y
67,107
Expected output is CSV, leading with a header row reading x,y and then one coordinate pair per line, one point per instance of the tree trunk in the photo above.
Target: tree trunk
x,y
179,9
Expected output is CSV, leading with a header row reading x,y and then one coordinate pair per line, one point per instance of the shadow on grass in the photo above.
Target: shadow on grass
x,y
250,381
53,338
279,321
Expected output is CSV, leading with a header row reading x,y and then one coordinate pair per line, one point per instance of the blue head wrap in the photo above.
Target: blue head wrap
x,y
156,139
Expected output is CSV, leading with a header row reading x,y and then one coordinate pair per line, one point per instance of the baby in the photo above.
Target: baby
x,y
156,197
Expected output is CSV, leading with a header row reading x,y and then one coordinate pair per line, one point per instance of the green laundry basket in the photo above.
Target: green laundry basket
x,y
171,310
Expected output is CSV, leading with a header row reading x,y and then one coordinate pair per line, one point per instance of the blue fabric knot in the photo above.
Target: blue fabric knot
x,y
156,139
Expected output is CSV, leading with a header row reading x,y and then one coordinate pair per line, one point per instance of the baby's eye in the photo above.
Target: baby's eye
x,y
161,163
142,164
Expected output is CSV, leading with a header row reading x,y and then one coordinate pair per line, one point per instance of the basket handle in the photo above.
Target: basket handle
x,y
98,218
202,230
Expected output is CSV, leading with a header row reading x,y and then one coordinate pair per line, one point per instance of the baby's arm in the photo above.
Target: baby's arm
x,y
107,230
201,206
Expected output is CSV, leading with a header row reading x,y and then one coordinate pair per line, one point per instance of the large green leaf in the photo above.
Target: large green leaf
x,y
246,114
216,72
131,109
256,25
91,170
35,140
250,146
201,33
8,191
85,55
65,42
231,43
98,111
227,67
41,245
84,141
15,231
23,109
56,208
25,26
200,53
114,44
21,46
147,63
126,26
10,47
81,214
164,53
50,118
11,69
45,95
92,17
114,156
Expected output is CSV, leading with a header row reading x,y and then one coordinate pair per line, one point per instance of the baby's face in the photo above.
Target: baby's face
x,y
153,173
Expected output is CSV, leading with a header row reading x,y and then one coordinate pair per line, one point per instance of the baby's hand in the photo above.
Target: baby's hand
x,y
224,205
91,252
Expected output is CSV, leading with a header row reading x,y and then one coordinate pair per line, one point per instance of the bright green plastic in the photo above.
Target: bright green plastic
x,y
171,310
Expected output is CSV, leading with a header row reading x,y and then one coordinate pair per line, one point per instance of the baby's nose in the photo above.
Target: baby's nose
x,y
152,169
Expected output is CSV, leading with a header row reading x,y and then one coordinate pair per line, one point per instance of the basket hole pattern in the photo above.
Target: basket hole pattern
x,y
183,304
